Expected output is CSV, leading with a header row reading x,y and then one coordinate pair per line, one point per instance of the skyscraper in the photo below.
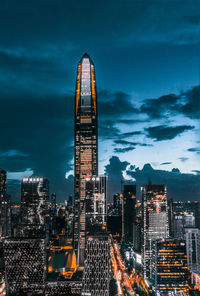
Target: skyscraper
x,y
86,145
192,237
96,203
24,265
155,221
97,269
170,267
5,213
129,196
34,198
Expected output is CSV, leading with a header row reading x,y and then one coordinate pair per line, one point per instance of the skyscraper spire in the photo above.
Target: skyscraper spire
x,y
86,145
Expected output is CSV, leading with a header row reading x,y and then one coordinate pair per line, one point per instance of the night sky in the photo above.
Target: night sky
x,y
147,59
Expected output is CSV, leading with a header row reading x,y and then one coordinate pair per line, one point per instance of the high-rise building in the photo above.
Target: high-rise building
x,y
170,267
34,206
5,212
2,181
129,196
192,237
96,274
24,265
53,203
96,203
97,266
2,270
86,145
185,214
155,221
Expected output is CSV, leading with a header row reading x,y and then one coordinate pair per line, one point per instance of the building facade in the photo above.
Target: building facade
x,y
34,206
129,196
192,237
86,145
97,266
155,221
96,203
24,265
5,207
170,267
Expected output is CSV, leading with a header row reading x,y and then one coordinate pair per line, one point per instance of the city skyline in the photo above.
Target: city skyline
x,y
147,78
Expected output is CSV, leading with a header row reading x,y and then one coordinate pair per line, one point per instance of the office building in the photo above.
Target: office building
x,y
2,270
34,207
129,197
155,221
86,145
24,265
192,237
5,212
95,203
170,267
185,214
97,266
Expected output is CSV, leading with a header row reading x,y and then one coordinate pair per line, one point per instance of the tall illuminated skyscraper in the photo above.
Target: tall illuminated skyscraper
x,y
86,145
155,221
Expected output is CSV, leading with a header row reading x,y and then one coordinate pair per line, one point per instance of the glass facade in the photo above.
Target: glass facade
x,y
155,221
86,146
171,274
34,207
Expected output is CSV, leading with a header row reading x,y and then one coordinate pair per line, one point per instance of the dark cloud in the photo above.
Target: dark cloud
x,y
130,134
123,150
186,103
165,163
114,172
50,22
107,130
180,186
191,105
197,150
129,143
183,159
162,132
115,104
42,129
155,108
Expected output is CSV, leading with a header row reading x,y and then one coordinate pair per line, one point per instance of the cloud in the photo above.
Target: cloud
x,y
115,104
130,134
165,163
186,103
162,132
196,171
44,133
114,171
107,130
123,150
124,142
179,186
155,108
191,105
12,153
197,150
19,175
129,143
183,159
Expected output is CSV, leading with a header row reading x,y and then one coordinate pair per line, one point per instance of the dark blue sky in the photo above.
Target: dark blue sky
x,y
147,58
